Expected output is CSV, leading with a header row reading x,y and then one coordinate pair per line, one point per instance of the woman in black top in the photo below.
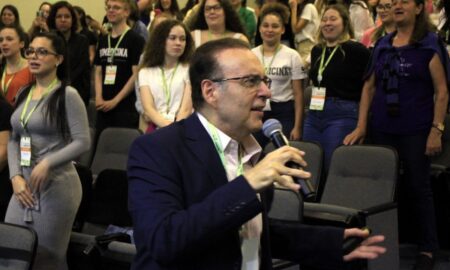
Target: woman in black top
x,y
337,68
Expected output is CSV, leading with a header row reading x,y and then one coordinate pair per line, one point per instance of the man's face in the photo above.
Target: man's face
x,y
239,103
116,11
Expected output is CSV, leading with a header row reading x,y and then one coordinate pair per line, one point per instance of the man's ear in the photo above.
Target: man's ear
x,y
209,92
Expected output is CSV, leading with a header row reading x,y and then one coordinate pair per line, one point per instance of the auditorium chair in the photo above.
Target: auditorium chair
x,y
18,245
286,206
360,191
112,149
108,206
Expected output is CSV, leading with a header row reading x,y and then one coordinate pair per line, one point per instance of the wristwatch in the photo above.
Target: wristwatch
x,y
439,126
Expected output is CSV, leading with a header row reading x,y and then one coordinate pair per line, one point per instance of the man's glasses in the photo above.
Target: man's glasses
x,y
384,7
114,8
213,8
40,52
251,81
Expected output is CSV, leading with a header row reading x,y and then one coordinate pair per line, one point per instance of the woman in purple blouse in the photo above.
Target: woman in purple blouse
x,y
406,91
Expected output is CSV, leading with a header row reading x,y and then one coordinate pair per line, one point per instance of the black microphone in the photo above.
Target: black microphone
x,y
272,129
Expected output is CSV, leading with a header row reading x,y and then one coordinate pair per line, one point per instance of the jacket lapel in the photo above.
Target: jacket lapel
x,y
202,148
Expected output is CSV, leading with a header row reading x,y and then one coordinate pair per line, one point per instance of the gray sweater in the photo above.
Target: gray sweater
x,y
46,140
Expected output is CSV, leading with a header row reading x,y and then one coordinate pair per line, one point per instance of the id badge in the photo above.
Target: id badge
x,y
25,151
110,75
317,98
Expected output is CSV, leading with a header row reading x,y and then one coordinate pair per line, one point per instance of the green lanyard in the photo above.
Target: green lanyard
x,y
219,148
273,57
166,88
24,120
5,85
322,66
111,58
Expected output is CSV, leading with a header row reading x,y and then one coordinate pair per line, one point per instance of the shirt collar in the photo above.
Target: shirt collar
x,y
252,150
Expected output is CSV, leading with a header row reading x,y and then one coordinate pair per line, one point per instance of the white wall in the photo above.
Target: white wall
x,y
27,8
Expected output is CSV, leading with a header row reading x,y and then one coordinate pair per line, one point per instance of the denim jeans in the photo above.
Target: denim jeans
x,y
330,126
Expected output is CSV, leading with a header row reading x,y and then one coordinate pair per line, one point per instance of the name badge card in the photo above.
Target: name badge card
x,y
317,98
110,75
25,151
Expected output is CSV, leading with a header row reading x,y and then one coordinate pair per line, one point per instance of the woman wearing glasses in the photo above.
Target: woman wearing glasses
x,y
387,24
406,91
216,19
163,77
49,130
337,66
14,71
283,66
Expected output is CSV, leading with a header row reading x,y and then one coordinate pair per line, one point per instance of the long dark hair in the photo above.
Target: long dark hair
x,y
14,11
232,21
82,15
155,49
174,9
55,111
422,24
51,20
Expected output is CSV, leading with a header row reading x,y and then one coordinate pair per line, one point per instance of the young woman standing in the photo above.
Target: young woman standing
x,y
284,67
14,71
49,130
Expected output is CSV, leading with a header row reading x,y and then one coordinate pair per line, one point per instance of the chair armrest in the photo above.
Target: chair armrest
x,y
82,238
333,215
378,209
327,214
438,167
328,208
120,252
121,247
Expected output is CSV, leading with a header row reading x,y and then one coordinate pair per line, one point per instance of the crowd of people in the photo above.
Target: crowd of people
x,y
378,65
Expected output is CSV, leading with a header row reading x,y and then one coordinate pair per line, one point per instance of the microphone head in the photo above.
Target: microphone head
x,y
270,126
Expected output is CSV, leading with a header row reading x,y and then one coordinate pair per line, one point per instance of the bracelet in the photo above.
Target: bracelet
x,y
435,127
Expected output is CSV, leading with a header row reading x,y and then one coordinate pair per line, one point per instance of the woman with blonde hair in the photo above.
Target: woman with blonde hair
x,y
337,67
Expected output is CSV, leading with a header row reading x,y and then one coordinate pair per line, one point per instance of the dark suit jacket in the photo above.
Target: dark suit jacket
x,y
187,215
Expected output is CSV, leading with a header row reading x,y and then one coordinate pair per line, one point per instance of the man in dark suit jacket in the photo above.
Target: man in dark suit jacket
x,y
192,197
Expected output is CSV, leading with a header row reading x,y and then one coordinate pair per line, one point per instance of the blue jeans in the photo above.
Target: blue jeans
x,y
330,126
414,189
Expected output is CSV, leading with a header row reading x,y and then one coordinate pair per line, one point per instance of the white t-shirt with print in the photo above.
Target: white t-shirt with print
x,y
286,66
